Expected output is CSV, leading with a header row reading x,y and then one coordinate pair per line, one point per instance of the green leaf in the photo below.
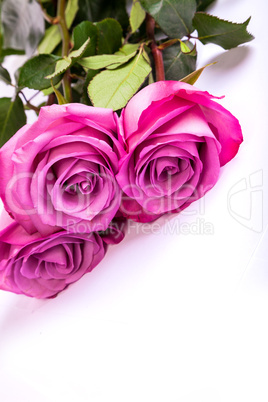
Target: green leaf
x,y
105,60
126,52
81,33
109,36
4,75
12,118
97,10
71,11
128,48
113,88
85,98
116,65
193,77
78,53
34,72
63,64
52,37
173,16
10,52
203,4
177,64
137,15
226,34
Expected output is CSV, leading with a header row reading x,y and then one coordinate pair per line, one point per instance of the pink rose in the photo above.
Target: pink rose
x,y
60,171
42,267
177,139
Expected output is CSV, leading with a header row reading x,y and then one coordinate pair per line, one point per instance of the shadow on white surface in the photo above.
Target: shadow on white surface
x,y
229,60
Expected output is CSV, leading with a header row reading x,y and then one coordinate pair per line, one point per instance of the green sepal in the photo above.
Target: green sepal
x,y
193,77
60,98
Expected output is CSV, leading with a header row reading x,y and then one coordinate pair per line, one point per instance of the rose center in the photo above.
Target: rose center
x,y
168,171
80,184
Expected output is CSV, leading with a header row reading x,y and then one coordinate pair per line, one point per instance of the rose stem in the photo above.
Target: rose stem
x,y
65,47
28,103
48,18
51,99
157,53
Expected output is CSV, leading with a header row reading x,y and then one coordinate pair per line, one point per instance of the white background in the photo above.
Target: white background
x,y
179,315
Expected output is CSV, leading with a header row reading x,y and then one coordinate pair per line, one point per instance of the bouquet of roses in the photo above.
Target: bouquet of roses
x,y
122,134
